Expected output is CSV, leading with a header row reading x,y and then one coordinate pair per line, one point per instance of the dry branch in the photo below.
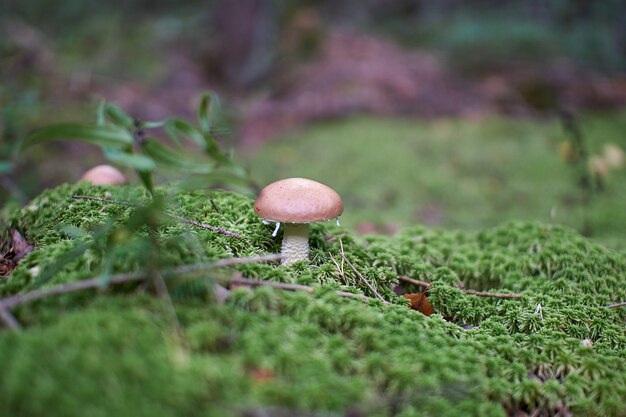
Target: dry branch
x,y
414,281
471,292
17,299
8,319
622,304
204,225
6,304
370,286
491,294
289,287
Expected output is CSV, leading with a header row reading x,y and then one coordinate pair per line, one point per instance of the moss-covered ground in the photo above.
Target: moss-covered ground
x,y
119,351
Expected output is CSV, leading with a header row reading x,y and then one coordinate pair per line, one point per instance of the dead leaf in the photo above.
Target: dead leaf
x,y
420,302
20,245
18,248
261,375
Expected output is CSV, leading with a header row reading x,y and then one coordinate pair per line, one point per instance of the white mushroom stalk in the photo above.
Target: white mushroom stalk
x,y
296,202
295,245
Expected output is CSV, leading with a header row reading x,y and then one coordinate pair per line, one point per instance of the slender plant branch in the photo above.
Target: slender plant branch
x,y
160,285
172,215
491,294
372,289
8,319
6,304
622,304
18,299
414,281
472,292
104,200
205,226
288,287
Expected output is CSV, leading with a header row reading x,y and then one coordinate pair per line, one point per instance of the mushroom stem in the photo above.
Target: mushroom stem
x,y
295,243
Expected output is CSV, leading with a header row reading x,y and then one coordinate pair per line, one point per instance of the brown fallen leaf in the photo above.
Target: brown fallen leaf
x,y
420,302
261,375
17,249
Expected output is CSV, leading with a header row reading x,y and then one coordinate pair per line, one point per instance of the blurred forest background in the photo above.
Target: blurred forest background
x,y
449,113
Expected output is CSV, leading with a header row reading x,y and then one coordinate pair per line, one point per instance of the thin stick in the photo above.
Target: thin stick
x,y
204,226
8,319
172,215
290,287
471,292
623,303
104,200
17,299
10,302
363,279
491,294
414,281
185,269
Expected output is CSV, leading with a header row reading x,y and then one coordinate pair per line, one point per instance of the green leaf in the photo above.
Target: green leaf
x,y
177,128
208,108
119,116
168,158
101,118
146,180
135,161
106,136
152,125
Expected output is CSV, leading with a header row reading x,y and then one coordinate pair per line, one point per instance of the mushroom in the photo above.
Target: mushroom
x,y
296,202
104,175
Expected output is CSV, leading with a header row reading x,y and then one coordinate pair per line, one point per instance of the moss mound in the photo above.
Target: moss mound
x,y
117,350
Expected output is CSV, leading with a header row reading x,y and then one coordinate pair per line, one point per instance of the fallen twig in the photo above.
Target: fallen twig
x,y
372,289
104,200
221,293
172,215
204,225
491,294
622,304
8,319
17,299
414,281
471,292
289,287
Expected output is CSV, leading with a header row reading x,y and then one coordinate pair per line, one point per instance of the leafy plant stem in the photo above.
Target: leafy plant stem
x,y
426,285
159,282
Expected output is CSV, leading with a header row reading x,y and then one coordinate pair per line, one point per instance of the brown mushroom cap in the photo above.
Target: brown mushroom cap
x,y
104,175
298,200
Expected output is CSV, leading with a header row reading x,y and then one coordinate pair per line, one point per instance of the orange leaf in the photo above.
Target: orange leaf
x,y
420,303
261,375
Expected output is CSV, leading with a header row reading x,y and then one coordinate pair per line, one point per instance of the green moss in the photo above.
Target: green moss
x,y
116,352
